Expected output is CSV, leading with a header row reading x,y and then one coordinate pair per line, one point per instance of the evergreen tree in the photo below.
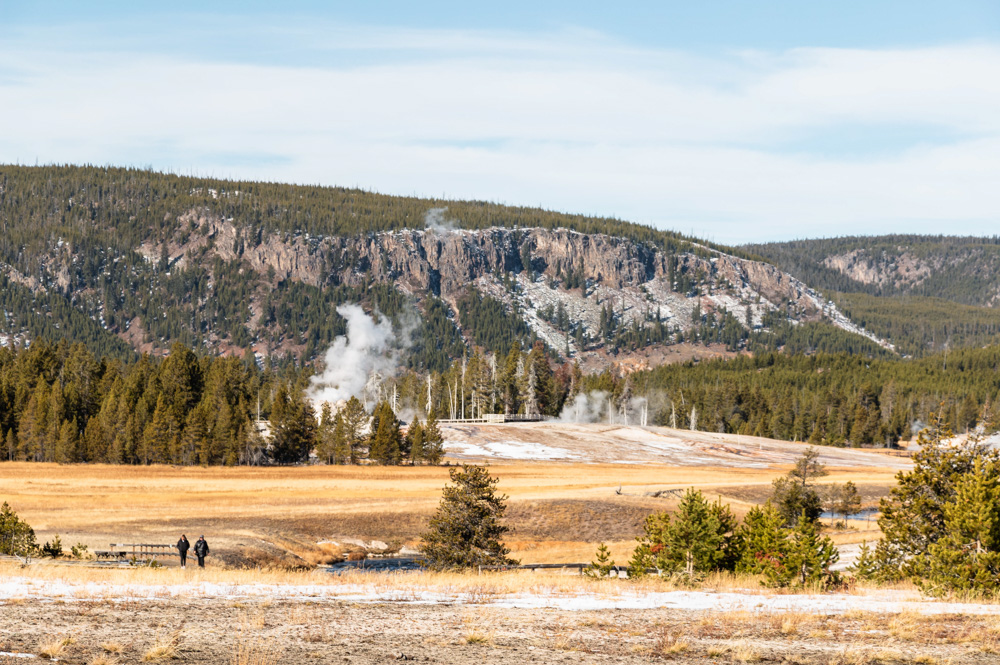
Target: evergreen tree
x,y
602,565
325,444
356,421
809,558
701,537
793,495
17,538
913,515
433,449
967,556
651,543
763,541
845,500
865,567
384,443
157,436
467,528
293,427
415,440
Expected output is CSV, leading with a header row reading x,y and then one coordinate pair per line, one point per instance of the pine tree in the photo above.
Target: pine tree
x,y
293,427
66,448
157,436
865,566
793,496
651,543
809,557
356,421
845,500
913,516
17,538
324,435
700,537
763,541
384,442
967,557
415,439
340,442
602,565
467,528
433,450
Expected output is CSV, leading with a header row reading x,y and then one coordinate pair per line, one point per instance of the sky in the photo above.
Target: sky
x,y
735,121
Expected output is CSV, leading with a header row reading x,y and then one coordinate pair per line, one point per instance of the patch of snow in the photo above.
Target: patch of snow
x,y
706,601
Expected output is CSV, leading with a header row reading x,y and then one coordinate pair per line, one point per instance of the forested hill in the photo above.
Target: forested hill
x,y
128,260
924,293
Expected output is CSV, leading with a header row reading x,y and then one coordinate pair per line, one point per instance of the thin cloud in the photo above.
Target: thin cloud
x,y
571,121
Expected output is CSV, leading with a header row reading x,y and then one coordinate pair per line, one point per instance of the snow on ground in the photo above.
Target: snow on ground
x,y
519,450
623,444
21,588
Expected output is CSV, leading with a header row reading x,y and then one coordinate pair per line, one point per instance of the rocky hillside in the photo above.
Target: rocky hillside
x,y
925,293
135,260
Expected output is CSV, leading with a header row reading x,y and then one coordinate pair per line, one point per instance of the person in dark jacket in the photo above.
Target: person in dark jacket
x,y
201,551
183,546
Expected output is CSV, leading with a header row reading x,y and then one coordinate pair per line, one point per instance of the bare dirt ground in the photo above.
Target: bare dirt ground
x,y
219,631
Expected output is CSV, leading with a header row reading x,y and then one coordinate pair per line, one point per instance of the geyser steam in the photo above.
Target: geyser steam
x,y
368,349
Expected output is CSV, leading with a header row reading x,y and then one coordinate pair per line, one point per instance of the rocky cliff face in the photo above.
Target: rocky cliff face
x,y
634,278
899,271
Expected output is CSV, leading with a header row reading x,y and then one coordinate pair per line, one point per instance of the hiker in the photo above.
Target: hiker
x,y
201,551
183,546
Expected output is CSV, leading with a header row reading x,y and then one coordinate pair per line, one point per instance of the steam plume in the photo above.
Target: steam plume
x,y
368,351
435,222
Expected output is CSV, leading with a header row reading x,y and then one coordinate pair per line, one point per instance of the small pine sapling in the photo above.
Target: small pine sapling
x,y
602,565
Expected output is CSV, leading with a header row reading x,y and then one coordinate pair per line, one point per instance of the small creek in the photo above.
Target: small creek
x,y
389,564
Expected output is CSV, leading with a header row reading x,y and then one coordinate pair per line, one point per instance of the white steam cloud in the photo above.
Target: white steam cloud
x,y
597,407
435,222
586,408
357,362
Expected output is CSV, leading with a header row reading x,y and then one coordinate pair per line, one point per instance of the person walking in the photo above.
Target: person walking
x,y
201,551
183,546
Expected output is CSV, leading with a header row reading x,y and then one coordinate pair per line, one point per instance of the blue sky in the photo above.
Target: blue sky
x,y
736,121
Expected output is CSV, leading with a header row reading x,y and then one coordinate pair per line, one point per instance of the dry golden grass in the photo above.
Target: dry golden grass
x,y
54,648
559,507
251,647
165,647
112,647
103,659
669,644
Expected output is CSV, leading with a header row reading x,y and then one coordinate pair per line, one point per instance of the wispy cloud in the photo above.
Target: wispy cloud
x,y
738,147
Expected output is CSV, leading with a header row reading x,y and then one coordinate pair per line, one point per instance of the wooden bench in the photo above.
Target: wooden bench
x,y
136,551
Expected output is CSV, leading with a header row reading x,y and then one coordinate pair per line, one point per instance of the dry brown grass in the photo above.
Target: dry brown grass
x,y
103,659
562,510
251,646
112,647
165,647
54,648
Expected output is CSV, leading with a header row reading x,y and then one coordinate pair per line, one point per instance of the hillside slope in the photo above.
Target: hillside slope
x,y
124,259
924,293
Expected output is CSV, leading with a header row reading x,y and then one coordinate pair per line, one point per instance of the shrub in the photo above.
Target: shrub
x,y
53,549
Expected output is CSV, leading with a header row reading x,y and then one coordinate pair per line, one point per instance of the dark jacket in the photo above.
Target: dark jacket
x,y
201,547
183,545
